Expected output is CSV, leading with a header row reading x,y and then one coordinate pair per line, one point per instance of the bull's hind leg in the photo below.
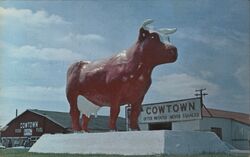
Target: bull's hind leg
x,y
87,108
114,112
85,121
74,112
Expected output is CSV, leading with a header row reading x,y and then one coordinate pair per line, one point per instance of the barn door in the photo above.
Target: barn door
x,y
217,131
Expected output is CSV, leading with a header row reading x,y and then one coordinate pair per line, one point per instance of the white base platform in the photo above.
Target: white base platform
x,y
131,143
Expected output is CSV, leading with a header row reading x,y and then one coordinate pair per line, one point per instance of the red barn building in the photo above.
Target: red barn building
x,y
26,128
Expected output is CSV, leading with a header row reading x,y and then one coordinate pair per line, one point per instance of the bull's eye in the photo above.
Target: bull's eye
x,y
143,34
154,36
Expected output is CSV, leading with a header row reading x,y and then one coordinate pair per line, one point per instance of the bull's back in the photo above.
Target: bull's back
x,y
73,75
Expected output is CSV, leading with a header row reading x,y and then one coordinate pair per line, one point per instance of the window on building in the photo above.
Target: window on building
x,y
217,131
18,130
39,129
160,126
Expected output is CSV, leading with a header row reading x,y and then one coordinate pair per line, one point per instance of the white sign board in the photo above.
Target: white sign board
x,y
181,110
25,125
27,132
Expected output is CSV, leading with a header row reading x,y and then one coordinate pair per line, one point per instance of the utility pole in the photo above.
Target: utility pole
x,y
201,94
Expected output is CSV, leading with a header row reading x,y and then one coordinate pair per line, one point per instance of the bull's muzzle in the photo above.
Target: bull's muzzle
x,y
172,53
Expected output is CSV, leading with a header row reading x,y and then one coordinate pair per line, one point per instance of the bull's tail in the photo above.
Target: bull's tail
x,y
76,67
73,74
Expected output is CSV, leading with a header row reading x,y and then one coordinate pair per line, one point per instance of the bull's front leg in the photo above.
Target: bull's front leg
x,y
114,112
135,112
74,112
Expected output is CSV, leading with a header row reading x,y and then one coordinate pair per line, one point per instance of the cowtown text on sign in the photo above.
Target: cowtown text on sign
x,y
181,110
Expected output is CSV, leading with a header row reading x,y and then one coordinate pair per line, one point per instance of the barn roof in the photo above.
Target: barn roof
x,y
237,116
61,118
99,123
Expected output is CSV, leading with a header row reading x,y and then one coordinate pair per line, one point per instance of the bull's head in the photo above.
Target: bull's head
x,y
155,46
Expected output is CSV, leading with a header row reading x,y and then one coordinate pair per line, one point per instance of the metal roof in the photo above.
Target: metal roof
x,y
60,118
237,116
96,123
99,123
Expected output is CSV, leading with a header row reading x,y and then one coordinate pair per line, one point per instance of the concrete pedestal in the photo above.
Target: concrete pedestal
x,y
131,143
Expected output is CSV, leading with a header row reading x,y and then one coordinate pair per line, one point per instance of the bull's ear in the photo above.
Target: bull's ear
x,y
143,34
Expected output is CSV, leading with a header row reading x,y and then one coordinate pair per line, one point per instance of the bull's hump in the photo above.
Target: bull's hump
x,y
84,62
90,69
121,58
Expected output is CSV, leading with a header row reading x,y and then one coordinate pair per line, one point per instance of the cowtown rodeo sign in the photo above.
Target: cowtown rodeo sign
x,y
188,109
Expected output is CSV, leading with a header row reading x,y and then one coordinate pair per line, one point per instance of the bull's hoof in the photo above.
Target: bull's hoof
x,y
113,130
76,129
84,131
135,129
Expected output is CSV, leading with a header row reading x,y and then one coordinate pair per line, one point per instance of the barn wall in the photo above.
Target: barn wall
x,y
27,128
16,124
186,125
16,129
235,133
240,135
225,124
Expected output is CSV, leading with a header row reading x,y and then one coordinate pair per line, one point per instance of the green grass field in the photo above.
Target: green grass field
x,y
25,153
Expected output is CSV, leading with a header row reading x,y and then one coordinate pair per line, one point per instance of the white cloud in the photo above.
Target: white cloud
x,y
88,44
243,76
34,93
214,37
44,36
199,36
6,113
206,74
179,86
92,46
28,18
79,38
30,97
49,54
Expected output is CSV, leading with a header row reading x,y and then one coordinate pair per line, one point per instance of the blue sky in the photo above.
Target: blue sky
x,y
40,39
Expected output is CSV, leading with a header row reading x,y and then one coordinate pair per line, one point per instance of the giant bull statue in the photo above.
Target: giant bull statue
x,y
122,79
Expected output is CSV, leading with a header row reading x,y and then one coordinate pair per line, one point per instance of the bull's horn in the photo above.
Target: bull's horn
x,y
147,22
167,30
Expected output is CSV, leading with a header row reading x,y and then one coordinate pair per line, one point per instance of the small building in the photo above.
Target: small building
x,y
26,128
231,127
